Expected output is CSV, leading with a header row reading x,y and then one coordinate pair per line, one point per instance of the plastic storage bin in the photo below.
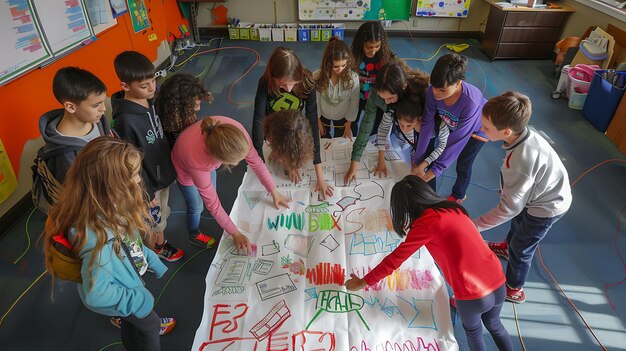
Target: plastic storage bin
x,y
265,32
605,93
291,32
303,33
339,30
233,33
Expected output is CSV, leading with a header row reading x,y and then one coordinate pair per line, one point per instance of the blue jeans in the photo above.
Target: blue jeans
x,y
464,167
486,310
195,205
525,234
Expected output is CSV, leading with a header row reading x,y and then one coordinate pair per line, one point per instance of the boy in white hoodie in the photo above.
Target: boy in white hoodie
x,y
534,183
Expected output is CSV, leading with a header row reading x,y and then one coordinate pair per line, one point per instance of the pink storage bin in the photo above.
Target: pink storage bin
x,y
581,77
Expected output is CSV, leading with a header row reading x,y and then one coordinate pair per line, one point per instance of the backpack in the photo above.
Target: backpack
x,y
46,188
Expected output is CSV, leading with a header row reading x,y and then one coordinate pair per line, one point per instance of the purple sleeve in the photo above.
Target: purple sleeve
x,y
468,115
428,127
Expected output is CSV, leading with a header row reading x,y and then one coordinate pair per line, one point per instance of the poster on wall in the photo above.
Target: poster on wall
x,y
443,8
354,10
288,293
138,15
100,15
64,23
8,181
22,39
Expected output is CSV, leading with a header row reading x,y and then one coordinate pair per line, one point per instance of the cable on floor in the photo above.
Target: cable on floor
x,y
615,242
27,237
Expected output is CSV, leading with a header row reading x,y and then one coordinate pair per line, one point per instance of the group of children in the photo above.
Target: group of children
x,y
116,191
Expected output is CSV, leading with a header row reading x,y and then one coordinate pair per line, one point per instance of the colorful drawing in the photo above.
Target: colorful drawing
x,y
335,301
138,15
295,220
253,197
324,273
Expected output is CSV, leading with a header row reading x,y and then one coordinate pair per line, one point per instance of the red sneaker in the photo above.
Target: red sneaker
x,y
169,252
515,295
500,249
202,240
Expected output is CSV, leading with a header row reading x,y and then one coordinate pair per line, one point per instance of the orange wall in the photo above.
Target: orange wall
x,y
25,99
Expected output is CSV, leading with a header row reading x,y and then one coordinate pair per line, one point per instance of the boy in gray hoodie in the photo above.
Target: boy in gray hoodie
x,y
534,183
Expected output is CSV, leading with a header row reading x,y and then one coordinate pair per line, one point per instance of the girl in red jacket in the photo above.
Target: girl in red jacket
x,y
471,269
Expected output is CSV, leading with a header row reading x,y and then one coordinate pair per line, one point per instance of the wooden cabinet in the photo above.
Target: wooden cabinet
x,y
520,32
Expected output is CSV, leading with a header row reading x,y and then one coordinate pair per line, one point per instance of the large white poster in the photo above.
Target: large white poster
x,y
288,293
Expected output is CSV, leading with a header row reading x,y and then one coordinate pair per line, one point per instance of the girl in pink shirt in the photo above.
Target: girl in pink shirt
x,y
471,269
199,150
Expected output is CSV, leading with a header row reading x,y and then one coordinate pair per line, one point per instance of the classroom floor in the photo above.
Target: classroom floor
x,y
583,252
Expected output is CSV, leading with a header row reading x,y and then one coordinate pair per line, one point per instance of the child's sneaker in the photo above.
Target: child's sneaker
x,y
500,249
202,240
169,252
515,295
167,324
458,201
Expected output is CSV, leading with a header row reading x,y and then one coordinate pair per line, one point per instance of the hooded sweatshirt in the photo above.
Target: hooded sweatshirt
x,y
59,150
141,127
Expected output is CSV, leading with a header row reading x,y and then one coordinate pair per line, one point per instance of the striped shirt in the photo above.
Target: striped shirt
x,y
386,125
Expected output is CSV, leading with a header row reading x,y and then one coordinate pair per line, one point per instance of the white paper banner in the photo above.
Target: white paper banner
x,y
288,293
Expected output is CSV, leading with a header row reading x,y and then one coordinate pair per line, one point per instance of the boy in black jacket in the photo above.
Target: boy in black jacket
x,y
135,120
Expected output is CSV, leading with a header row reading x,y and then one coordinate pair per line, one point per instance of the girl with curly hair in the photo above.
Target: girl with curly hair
x,y
287,85
225,142
289,137
337,90
102,212
371,52
178,101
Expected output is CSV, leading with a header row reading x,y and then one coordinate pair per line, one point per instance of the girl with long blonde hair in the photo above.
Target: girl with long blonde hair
x,y
224,142
102,211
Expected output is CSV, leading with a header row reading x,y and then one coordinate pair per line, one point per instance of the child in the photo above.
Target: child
x,y
337,90
225,143
535,190
287,85
101,208
458,104
395,81
177,103
371,52
67,130
135,120
289,137
405,125
464,259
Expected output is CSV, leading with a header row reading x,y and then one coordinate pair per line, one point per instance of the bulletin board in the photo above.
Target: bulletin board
x,y
35,31
443,8
348,10
288,292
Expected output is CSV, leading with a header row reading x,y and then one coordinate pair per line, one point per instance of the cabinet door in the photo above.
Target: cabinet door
x,y
520,19
529,35
524,50
549,19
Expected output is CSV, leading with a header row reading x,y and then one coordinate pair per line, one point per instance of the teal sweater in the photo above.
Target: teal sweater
x,y
117,290
369,117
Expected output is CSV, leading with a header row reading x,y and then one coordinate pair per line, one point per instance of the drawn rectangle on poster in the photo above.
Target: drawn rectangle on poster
x,y
233,272
275,286
262,266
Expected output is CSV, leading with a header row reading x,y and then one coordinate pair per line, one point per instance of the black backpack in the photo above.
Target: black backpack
x,y
46,188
